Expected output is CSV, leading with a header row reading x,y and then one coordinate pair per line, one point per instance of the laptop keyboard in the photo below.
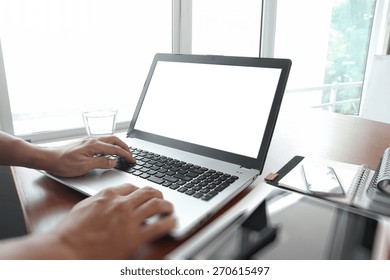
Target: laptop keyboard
x,y
192,180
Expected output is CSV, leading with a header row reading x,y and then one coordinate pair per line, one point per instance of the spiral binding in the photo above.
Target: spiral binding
x,y
384,170
360,179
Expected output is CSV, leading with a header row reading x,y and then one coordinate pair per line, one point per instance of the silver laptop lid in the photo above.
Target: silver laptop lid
x,y
216,106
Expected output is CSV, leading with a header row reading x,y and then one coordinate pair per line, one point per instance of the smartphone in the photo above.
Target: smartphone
x,y
322,180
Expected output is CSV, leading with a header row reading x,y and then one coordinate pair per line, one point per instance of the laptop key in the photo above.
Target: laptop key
x,y
182,177
166,184
198,195
196,188
190,192
213,193
207,197
144,176
159,175
170,179
152,172
136,167
192,175
144,169
174,187
205,190
137,173
222,187
182,189
156,180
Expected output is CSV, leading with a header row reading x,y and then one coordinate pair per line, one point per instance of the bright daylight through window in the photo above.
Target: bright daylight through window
x,y
328,42
63,57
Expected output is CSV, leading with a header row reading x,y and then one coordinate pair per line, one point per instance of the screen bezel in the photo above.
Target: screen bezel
x,y
245,161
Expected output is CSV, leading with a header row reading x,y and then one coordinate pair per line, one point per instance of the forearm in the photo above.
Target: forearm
x,y
17,152
75,159
35,247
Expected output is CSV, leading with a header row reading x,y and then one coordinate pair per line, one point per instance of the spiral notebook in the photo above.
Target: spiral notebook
x,y
364,188
372,187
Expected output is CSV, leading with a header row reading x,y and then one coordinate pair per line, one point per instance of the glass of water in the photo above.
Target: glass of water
x,y
100,122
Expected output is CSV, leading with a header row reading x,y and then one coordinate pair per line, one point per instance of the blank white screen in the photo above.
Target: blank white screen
x,y
221,107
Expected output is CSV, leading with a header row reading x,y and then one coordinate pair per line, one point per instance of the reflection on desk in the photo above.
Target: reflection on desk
x,y
312,229
307,228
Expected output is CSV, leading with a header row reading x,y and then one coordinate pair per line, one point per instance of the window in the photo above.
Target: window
x,y
63,57
328,42
226,27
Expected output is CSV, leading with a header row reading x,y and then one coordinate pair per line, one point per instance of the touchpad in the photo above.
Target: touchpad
x,y
99,179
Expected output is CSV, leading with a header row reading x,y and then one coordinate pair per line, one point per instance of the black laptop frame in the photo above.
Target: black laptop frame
x,y
244,161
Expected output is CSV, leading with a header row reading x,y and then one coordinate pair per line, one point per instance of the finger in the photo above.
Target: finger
x,y
100,162
109,193
142,195
152,207
114,141
122,190
109,149
162,227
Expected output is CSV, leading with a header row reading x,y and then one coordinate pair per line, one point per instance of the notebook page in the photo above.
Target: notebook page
x,y
345,172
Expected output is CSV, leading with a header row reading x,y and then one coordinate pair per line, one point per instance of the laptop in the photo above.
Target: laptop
x,y
200,132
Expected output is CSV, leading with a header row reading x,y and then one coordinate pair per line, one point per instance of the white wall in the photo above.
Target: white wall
x,y
5,109
376,98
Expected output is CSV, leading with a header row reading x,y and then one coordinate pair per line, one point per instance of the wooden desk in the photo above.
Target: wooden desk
x,y
315,133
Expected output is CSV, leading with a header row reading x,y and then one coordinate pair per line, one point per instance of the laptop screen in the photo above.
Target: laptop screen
x,y
223,106
210,105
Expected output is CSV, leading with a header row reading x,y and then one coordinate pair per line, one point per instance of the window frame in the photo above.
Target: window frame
x,y
6,123
379,42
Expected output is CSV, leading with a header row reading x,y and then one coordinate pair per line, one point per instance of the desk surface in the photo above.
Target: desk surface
x,y
316,133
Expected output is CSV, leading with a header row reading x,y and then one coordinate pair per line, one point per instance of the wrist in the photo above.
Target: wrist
x,y
65,248
36,247
40,158
28,155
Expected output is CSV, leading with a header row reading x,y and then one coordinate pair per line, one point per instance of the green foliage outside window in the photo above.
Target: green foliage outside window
x,y
347,50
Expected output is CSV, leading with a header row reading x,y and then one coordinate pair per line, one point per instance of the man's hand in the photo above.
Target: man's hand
x,y
111,224
77,159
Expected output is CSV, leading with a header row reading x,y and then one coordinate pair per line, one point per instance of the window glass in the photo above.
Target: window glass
x,y
226,27
64,57
328,43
